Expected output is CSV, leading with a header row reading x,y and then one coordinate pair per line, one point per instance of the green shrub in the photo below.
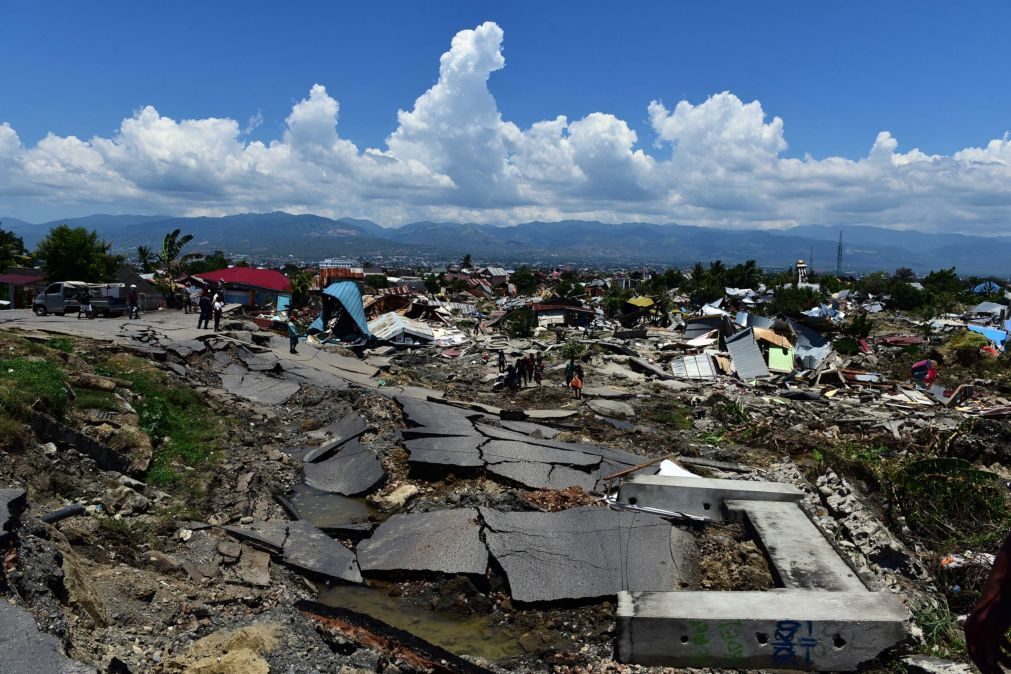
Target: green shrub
x,y
29,383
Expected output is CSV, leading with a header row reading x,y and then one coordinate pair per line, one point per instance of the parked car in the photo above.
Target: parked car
x,y
107,299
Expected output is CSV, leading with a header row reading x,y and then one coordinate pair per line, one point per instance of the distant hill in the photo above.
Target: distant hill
x,y
280,234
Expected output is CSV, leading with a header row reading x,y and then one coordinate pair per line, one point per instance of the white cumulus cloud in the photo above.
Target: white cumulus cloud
x,y
452,156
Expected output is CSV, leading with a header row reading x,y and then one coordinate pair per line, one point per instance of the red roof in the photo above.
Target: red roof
x,y
269,279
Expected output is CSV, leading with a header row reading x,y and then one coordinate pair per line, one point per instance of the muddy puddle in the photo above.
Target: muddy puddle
x,y
324,510
473,635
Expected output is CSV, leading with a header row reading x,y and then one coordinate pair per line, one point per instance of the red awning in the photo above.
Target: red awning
x,y
21,279
268,279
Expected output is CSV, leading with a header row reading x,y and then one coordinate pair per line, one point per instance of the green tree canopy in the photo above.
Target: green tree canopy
x,y
524,280
75,254
212,262
12,250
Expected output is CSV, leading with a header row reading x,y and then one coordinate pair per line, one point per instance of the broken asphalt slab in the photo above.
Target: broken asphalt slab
x,y
498,451
12,503
353,470
269,535
543,475
27,650
310,550
459,451
351,426
257,387
586,552
444,541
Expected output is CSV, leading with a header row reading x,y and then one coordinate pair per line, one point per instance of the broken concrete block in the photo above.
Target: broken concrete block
x,y
310,550
348,428
701,497
446,541
354,469
396,499
611,408
584,552
788,629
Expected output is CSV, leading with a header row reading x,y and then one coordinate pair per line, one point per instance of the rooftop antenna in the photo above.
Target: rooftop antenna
x,y
838,256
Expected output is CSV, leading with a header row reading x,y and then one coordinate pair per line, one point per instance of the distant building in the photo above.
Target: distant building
x,y
340,269
22,285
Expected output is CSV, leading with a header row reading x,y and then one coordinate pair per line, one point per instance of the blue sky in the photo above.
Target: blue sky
x,y
837,74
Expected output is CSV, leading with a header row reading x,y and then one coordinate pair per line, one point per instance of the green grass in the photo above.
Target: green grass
x,y
676,416
942,635
179,414
60,344
25,383
95,400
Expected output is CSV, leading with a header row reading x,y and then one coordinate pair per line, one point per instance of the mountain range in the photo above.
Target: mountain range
x,y
312,237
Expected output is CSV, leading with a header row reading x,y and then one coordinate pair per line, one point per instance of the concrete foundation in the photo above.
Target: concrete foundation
x,y
780,629
700,496
798,553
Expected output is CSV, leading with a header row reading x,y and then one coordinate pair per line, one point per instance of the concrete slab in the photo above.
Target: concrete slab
x,y
583,552
611,408
798,553
782,629
444,541
186,348
497,451
12,503
647,368
25,649
446,451
310,550
547,415
353,470
702,497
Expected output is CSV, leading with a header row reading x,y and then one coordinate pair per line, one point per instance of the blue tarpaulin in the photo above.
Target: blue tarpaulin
x,y
345,296
996,336
986,288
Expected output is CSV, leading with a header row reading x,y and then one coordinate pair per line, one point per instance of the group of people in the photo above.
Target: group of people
x,y
210,306
531,368
85,310
526,369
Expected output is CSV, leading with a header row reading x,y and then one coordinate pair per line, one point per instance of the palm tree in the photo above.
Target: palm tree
x,y
169,259
146,258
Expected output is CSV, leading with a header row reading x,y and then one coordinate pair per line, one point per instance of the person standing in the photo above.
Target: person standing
x,y
131,303
538,369
205,310
187,301
293,334
84,303
570,370
522,375
511,378
219,306
577,386
501,361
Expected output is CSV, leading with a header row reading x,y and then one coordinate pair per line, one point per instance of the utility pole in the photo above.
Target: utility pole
x,y
838,256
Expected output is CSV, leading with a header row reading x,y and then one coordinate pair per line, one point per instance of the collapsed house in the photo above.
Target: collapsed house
x,y
342,317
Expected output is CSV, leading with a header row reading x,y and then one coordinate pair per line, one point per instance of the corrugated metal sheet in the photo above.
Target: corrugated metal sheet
x,y
748,361
347,293
392,327
694,367
697,327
